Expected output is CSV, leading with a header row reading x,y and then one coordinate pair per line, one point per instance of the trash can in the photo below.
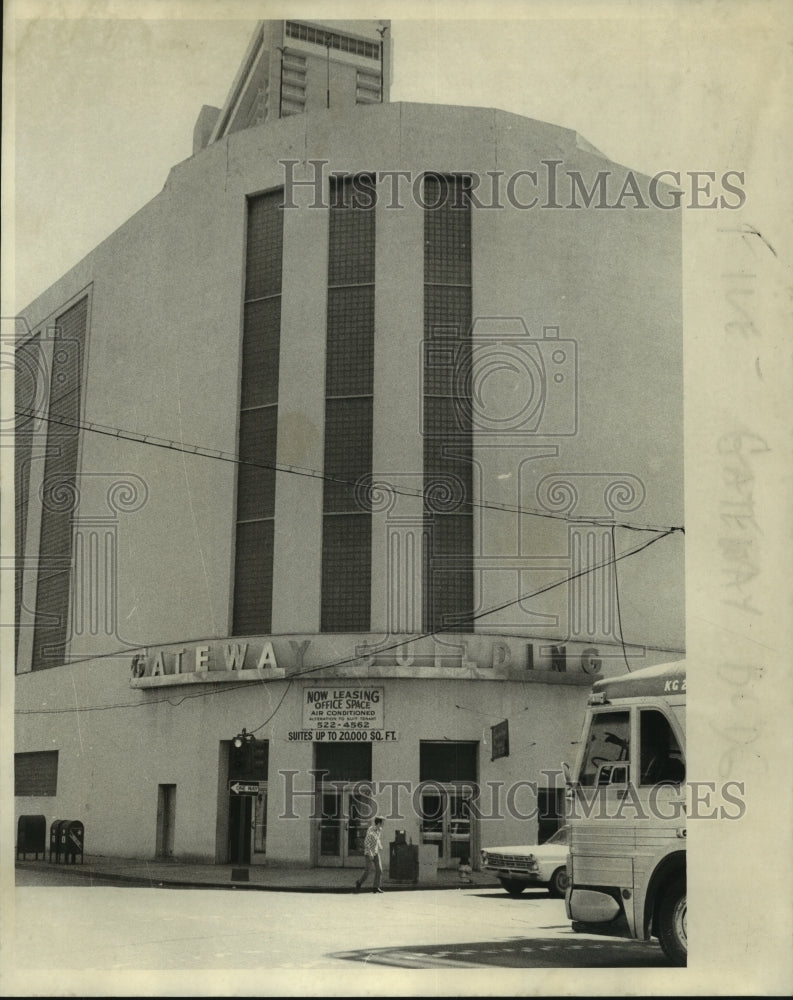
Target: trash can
x,y
32,836
55,843
71,837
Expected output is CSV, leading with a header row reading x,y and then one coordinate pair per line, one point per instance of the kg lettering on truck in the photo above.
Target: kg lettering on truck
x,y
625,805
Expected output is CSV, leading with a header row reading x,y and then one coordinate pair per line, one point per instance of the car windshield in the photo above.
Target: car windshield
x,y
560,837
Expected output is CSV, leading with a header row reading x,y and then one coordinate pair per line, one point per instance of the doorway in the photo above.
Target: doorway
x,y
344,807
166,820
246,803
345,814
446,822
448,773
248,827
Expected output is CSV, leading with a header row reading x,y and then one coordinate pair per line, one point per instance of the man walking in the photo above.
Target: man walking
x,y
372,846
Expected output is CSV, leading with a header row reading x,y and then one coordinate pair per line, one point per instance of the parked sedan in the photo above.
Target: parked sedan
x,y
520,867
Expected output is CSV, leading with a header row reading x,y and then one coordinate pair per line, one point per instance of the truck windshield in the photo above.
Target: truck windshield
x,y
607,744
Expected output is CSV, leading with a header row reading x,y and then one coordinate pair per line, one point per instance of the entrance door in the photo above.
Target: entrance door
x,y
248,826
240,828
447,772
245,802
446,822
344,816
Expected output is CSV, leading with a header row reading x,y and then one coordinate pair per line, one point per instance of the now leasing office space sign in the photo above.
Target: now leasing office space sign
x,y
342,714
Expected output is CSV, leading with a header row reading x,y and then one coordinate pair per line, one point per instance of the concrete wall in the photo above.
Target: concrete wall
x,y
111,762
164,361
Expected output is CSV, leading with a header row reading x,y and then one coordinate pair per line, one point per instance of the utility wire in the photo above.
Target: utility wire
x,y
222,456
339,663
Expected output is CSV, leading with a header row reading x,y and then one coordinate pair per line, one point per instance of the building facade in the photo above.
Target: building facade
x,y
335,444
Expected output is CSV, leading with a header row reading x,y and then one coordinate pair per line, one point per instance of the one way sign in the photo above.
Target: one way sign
x,y
244,788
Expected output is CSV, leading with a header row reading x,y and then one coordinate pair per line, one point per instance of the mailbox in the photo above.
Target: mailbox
x,y
31,835
71,837
55,843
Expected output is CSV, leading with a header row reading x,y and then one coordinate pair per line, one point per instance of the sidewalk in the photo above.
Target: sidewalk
x,y
268,878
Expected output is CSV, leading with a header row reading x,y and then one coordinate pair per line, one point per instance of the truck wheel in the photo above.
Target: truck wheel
x,y
513,886
558,884
672,923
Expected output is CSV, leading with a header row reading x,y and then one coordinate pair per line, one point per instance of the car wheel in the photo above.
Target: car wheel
x,y
672,923
513,886
558,884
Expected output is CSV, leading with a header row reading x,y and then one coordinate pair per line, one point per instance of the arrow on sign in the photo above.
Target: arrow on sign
x,y
240,788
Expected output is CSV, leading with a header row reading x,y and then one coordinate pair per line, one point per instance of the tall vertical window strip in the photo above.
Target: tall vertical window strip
x,y
27,385
59,489
448,582
349,380
261,336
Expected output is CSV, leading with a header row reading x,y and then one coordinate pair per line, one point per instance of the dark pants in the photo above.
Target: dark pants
x,y
378,871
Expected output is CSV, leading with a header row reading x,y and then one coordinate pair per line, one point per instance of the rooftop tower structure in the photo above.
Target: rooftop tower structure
x,y
291,67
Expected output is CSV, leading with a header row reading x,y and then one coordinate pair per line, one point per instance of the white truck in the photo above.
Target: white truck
x,y
626,811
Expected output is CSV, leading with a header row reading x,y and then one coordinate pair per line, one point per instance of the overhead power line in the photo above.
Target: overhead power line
x,y
201,451
347,660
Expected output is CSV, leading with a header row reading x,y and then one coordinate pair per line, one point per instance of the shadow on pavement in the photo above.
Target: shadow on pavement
x,y
520,953
524,897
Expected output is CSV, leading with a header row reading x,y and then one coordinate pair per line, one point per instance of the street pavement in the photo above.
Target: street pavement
x,y
303,933
121,930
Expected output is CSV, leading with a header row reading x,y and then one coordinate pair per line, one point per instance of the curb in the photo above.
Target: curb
x,y
176,883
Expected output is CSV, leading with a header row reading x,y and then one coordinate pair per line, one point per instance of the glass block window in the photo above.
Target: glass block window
x,y
260,349
346,572
253,578
447,421
448,570
349,379
348,452
352,221
447,311
447,362
447,231
265,245
55,550
256,481
261,339
350,358
27,378
448,581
